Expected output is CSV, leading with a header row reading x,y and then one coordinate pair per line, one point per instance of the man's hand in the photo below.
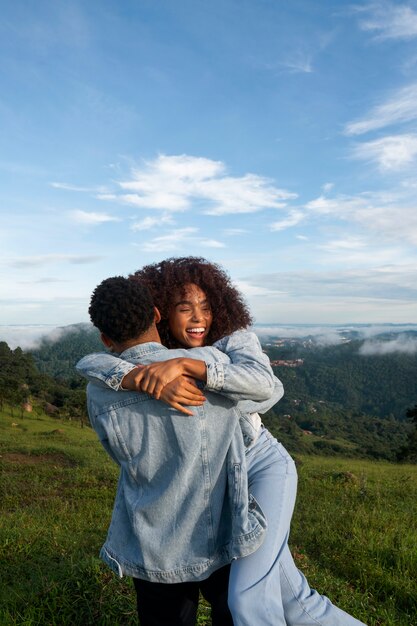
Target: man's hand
x,y
182,390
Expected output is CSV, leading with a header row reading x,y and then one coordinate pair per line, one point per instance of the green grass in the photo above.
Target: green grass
x,y
354,531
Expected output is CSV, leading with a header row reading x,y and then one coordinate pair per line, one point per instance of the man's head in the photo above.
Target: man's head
x,y
122,309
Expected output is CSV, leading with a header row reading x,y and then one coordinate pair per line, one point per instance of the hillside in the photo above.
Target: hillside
x,y
57,357
343,399
337,399
353,531
345,375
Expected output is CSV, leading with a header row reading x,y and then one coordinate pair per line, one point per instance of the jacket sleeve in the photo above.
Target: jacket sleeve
x,y
247,375
103,369
236,368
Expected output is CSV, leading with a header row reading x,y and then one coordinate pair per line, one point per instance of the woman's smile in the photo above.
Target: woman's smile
x,y
190,317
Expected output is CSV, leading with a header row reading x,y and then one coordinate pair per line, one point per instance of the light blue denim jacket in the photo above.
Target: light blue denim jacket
x,y
247,363
182,508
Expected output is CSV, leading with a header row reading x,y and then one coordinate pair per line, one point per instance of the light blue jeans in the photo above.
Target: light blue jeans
x,y
266,588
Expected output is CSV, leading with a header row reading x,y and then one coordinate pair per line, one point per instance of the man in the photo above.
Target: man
x,y
182,511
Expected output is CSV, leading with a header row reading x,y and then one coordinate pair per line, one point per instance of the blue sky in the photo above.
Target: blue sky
x,y
276,138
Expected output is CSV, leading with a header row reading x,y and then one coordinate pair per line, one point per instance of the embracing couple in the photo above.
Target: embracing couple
x,y
206,494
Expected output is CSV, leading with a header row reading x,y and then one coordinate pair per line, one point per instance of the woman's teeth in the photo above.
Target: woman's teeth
x,y
196,331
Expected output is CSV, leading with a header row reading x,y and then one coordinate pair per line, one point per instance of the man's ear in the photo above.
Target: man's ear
x,y
107,341
157,315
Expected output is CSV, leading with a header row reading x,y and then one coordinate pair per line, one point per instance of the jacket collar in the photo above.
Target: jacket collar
x,y
142,349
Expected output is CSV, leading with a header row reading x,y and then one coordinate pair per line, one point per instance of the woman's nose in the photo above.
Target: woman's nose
x,y
197,315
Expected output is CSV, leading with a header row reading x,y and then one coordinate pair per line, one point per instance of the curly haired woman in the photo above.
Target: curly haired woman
x,y
200,306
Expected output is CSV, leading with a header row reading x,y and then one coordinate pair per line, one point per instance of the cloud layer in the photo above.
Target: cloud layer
x,y
179,182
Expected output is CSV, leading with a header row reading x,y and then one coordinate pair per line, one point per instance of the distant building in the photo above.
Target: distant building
x,y
287,362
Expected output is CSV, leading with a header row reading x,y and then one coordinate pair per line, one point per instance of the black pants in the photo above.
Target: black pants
x,y
160,604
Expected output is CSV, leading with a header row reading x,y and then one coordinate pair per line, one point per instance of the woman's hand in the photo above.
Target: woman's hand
x,y
153,378
182,390
157,375
132,380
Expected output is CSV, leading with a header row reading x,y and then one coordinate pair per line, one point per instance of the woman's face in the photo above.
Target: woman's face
x,y
190,317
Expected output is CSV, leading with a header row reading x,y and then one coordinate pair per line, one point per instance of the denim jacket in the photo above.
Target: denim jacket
x,y
246,361
182,508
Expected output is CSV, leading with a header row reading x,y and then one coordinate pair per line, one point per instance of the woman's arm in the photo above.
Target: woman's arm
x,y
235,367
111,371
247,374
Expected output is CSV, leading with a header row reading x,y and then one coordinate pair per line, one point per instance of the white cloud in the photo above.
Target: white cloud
x,y
48,259
30,337
212,243
359,251
327,187
294,218
391,214
234,231
390,21
148,223
322,335
348,243
69,187
176,183
25,337
249,289
389,153
392,282
43,281
402,344
401,107
92,218
335,334
177,239
299,62
170,242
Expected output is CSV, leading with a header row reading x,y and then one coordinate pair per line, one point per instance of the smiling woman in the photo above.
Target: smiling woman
x,y
199,306
180,285
190,317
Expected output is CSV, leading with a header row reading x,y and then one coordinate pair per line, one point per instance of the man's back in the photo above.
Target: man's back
x,y
180,510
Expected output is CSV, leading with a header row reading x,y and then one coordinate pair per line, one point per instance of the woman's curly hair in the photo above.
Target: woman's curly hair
x,y
164,279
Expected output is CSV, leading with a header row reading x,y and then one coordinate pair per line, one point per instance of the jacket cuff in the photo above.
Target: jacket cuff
x,y
115,376
215,376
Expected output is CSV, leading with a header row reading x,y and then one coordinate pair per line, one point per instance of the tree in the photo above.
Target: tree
x,y
409,451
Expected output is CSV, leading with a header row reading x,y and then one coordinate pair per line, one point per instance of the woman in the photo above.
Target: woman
x,y
199,306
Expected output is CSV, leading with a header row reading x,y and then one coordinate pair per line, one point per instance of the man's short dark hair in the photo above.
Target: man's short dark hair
x,y
121,308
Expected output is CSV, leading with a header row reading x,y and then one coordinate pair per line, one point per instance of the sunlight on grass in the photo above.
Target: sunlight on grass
x,y
353,533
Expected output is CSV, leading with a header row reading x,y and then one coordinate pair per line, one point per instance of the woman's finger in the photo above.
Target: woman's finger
x,y
180,408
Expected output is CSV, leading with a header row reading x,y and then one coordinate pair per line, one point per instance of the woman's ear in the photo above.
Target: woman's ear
x,y
157,315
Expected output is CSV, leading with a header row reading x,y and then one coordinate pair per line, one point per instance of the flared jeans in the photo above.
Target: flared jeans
x,y
266,588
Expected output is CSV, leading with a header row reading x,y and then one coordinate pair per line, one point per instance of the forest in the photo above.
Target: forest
x,y
337,401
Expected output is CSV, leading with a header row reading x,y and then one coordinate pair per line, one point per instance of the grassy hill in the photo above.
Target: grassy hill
x,y
353,533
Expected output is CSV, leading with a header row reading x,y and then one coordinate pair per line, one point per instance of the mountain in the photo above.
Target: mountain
x,y
58,353
350,397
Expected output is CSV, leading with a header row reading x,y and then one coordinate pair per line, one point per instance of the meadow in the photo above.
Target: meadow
x,y
354,532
